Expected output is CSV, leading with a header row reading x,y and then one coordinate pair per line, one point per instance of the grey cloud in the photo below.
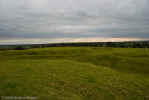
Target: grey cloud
x,y
74,18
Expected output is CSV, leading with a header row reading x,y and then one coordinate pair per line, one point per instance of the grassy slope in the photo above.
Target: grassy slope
x,y
76,73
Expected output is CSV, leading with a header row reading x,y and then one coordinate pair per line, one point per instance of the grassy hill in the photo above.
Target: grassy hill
x,y
76,73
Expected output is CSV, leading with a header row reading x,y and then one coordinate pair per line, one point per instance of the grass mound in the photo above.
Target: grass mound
x,y
83,73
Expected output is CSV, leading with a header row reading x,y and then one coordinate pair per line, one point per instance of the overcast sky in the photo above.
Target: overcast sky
x,y
39,19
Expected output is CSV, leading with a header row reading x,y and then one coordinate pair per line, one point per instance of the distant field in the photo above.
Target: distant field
x,y
75,73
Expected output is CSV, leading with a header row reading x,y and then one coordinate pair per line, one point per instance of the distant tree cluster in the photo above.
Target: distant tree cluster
x,y
22,47
19,48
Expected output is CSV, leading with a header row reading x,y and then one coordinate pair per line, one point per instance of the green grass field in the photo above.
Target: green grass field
x,y
76,73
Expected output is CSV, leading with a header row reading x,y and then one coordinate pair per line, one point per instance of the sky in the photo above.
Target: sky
x,y
36,21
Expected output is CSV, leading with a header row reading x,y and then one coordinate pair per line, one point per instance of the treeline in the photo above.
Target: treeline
x,y
137,44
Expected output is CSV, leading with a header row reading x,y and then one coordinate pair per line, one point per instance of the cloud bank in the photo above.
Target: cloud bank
x,y
74,19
